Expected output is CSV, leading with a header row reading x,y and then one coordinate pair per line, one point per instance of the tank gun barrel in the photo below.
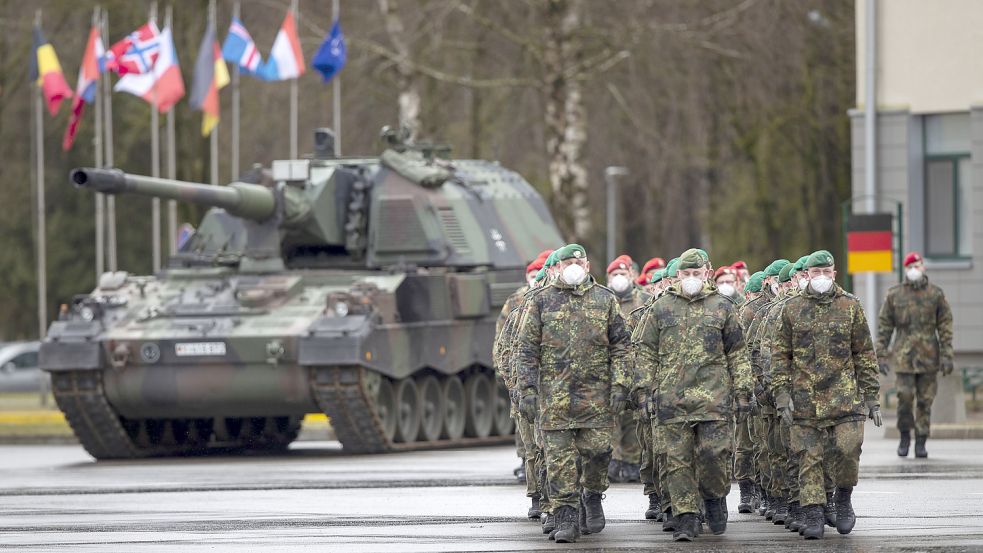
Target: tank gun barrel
x,y
249,201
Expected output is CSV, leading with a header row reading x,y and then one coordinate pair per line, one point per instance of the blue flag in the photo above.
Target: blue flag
x,y
332,54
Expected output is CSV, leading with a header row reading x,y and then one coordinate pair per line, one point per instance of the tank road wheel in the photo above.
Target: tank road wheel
x,y
407,410
455,409
480,393
385,408
431,409
503,410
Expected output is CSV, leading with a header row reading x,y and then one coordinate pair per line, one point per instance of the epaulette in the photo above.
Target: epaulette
x,y
851,296
603,287
533,291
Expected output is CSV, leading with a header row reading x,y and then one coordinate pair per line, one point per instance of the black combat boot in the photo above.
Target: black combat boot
x,y
549,524
829,511
614,471
755,497
716,514
813,520
920,451
669,521
763,508
845,517
567,525
520,473
794,520
654,511
747,496
905,443
781,511
687,528
772,505
534,510
630,472
593,512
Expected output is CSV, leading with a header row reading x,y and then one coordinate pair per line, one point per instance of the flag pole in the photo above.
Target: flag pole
x,y
107,91
293,94
155,160
171,161
236,9
214,134
336,89
97,146
39,175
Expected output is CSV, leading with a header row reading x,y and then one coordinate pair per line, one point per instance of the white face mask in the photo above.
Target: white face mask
x,y
619,283
821,283
803,282
914,274
574,274
727,289
774,288
692,286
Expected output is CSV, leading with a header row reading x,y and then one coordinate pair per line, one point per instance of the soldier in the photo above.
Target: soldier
x,y
692,360
626,458
573,350
648,471
725,279
742,273
752,493
918,315
824,381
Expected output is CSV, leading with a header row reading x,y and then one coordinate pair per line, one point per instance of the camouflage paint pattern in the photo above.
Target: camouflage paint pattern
x,y
698,461
919,317
573,349
577,460
823,358
627,444
835,449
916,391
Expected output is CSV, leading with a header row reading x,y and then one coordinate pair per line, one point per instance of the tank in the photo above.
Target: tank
x,y
366,289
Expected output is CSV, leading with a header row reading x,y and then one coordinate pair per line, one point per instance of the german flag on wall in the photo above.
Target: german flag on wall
x,y
870,243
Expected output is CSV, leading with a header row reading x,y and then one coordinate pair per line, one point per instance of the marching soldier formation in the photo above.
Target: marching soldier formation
x,y
684,377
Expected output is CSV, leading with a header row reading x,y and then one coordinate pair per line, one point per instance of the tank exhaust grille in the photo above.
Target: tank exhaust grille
x,y
400,229
453,231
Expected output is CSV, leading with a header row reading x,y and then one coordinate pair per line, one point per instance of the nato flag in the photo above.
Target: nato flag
x,y
331,56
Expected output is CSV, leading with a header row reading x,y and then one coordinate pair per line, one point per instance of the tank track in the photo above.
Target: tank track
x,y
340,392
106,435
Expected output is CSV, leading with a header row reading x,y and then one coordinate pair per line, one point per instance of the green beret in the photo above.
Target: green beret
x,y
785,274
799,265
571,251
671,268
540,275
755,282
820,258
775,267
550,260
657,276
692,258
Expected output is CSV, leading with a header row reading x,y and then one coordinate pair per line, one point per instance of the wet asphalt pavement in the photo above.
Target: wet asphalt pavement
x,y
55,498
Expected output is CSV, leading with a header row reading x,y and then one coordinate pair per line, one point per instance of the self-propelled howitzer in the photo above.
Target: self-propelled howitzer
x,y
363,288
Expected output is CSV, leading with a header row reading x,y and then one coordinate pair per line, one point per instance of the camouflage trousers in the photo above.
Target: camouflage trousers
x,y
698,457
626,444
520,444
647,469
744,468
533,458
778,454
576,459
916,391
823,452
759,438
659,459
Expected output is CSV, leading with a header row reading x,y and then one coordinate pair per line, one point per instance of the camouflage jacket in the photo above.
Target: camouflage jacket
x,y
507,344
763,324
823,357
919,316
632,300
510,303
690,353
750,309
572,348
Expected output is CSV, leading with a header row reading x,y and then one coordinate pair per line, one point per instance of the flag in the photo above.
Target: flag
x,y
85,89
286,58
332,54
46,72
137,53
164,84
240,49
210,76
870,243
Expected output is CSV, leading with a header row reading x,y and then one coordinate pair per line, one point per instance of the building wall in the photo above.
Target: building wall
x,y
940,39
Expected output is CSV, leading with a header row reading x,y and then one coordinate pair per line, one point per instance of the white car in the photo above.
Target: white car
x,y
19,370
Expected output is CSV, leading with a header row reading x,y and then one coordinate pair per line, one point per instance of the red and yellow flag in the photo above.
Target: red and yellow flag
x,y
210,76
46,72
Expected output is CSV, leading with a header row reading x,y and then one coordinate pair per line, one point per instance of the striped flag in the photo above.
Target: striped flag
x,y
163,84
240,49
85,89
46,72
870,243
210,76
286,58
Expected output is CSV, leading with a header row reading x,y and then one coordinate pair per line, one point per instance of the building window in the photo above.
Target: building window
x,y
948,182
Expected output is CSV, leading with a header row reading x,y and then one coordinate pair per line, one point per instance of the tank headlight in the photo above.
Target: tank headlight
x,y
341,309
87,313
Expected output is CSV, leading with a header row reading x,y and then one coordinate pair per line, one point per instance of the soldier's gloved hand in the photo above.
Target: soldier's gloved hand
x,y
883,366
650,406
785,408
874,412
946,367
528,407
619,400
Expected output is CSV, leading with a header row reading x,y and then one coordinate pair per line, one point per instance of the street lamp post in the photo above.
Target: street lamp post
x,y
611,174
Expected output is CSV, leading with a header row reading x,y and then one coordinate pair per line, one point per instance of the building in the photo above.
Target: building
x,y
928,84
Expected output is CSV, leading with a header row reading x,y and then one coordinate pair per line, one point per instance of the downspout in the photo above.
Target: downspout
x,y
870,140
